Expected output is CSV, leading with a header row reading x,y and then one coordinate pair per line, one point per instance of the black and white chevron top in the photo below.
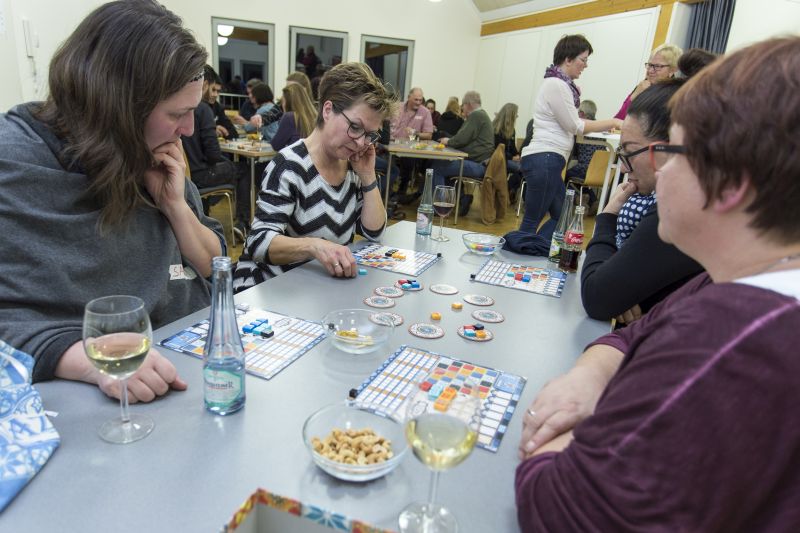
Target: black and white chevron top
x,y
296,201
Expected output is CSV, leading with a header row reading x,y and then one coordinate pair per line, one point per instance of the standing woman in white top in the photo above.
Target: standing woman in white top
x,y
556,122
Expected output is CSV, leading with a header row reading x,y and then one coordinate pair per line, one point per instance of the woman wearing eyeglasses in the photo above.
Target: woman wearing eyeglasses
x,y
662,65
626,281
318,192
682,420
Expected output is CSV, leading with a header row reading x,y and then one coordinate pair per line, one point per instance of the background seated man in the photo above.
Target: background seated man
x,y
678,422
476,137
209,167
247,109
211,89
413,120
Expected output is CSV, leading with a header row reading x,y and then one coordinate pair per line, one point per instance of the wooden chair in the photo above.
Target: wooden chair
x,y
595,174
226,191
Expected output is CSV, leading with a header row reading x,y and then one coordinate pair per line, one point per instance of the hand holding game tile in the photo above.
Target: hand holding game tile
x,y
558,408
337,259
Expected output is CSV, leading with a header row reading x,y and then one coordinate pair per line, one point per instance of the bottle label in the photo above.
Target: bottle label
x,y
555,248
424,223
222,387
573,238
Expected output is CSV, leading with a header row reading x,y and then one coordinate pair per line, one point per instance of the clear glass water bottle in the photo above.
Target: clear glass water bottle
x,y
425,210
563,223
223,357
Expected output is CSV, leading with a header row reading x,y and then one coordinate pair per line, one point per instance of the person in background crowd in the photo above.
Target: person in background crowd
x,y
663,64
247,109
211,88
207,164
299,117
626,282
413,120
693,61
556,122
93,194
430,103
476,138
583,154
267,115
678,421
302,79
311,62
504,132
320,191
451,120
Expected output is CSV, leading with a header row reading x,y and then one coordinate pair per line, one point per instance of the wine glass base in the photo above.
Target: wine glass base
x,y
117,432
440,238
426,518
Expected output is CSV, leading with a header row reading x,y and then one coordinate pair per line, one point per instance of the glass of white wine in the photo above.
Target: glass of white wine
x,y
444,200
117,335
441,428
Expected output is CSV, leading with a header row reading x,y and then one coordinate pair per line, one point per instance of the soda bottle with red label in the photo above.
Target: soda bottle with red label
x,y
573,243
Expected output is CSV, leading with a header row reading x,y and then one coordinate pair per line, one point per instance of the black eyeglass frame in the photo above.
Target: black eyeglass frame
x,y
655,66
625,158
666,148
371,136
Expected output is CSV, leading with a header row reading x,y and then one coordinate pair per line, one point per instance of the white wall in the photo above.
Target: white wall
x,y
11,92
511,66
446,35
755,20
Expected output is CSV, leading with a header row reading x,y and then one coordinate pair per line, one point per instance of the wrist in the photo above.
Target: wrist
x,y
372,184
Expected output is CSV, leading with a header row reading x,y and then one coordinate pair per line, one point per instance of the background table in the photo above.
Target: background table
x,y
254,151
407,149
611,142
196,469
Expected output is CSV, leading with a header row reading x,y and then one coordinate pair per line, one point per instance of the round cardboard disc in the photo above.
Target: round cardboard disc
x,y
478,299
489,336
488,315
386,319
391,292
379,301
442,288
426,331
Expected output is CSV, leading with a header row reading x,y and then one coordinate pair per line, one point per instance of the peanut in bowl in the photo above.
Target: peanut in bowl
x,y
361,445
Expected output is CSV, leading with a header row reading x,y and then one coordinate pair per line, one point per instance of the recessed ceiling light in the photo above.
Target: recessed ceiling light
x,y
224,29
222,41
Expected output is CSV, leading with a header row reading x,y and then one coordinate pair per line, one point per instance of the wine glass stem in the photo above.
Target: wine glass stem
x,y
432,493
123,402
441,226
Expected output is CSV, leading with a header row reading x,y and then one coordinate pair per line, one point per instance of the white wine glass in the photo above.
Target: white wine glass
x,y
442,421
117,336
444,200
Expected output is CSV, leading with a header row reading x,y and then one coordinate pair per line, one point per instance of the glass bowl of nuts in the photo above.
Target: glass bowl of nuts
x,y
352,442
358,331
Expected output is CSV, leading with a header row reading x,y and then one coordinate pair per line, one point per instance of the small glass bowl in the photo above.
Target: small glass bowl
x,y
352,330
482,243
350,415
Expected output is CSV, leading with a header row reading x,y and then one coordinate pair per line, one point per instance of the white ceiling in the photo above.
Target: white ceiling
x,y
498,9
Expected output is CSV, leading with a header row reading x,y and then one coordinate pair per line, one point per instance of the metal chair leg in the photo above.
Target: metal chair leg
x,y
521,196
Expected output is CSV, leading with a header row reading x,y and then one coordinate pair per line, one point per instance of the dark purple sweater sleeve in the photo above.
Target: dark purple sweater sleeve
x,y
286,134
685,436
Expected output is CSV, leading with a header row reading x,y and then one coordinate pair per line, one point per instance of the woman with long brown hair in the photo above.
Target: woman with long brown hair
x,y
299,117
94,197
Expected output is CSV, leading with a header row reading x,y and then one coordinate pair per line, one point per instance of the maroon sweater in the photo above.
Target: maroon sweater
x,y
697,431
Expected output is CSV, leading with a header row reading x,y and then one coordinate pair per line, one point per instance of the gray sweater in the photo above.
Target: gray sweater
x,y
54,260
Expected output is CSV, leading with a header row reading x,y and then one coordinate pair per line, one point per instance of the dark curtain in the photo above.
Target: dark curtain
x,y
710,24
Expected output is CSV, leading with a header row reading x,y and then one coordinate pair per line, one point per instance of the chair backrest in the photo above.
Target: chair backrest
x,y
596,173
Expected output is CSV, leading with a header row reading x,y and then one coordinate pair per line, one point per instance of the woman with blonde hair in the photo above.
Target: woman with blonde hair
x,y
301,79
504,132
298,117
322,190
451,120
662,65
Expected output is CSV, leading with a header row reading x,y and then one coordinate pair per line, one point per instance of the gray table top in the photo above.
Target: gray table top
x,y
195,469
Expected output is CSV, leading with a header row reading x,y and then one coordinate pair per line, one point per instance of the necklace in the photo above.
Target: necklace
x,y
779,262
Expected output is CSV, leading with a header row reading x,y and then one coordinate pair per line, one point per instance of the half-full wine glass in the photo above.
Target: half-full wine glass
x,y
441,428
444,200
117,337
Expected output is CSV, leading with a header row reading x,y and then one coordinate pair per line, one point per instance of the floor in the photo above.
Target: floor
x,y
471,222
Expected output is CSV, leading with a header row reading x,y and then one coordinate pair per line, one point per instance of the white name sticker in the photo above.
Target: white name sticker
x,y
181,272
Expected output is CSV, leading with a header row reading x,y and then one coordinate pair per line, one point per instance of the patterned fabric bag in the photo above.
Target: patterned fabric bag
x,y
27,438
